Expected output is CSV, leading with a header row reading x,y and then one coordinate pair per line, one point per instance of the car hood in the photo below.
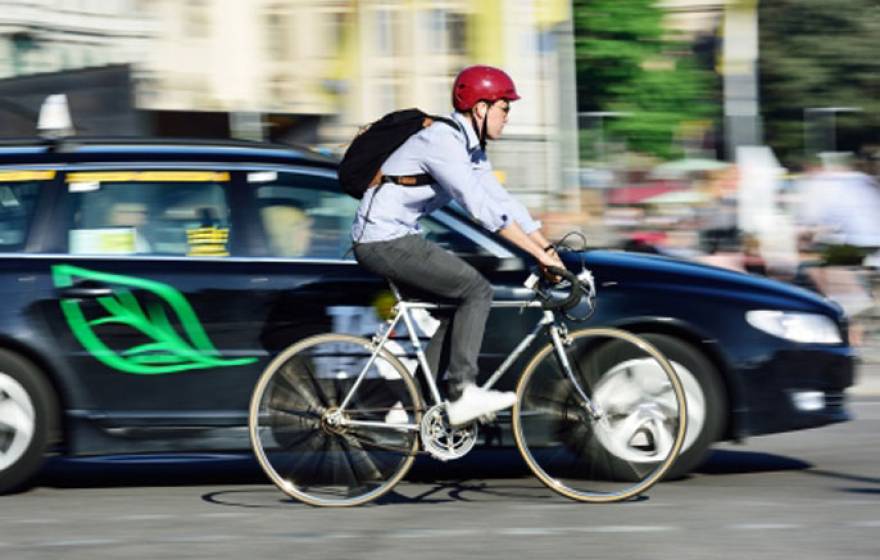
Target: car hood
x,y
643,271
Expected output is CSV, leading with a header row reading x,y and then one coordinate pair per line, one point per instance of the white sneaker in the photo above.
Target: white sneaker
x,y
475,402
397,415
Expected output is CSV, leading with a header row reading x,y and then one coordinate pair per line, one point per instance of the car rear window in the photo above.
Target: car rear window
x,y
173,213
18,200
303,216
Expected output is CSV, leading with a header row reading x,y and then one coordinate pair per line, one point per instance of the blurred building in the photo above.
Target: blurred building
x,y
39,36
692,18
306,71
314,71
79,47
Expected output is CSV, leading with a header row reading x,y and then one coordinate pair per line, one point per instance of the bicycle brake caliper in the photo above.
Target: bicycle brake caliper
x,y
564,335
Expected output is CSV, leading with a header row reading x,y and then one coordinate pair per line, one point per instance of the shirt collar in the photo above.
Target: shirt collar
x,y
470,134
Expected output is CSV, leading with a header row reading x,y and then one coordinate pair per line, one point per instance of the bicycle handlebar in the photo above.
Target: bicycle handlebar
x,y
578,287
576,291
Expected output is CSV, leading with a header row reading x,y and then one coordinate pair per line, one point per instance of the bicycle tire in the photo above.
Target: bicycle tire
x,y
305,457
617,456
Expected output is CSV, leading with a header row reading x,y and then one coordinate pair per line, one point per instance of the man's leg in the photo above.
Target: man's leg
x,y
417,263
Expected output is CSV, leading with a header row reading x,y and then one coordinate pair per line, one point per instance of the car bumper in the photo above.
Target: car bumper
x,y
795,390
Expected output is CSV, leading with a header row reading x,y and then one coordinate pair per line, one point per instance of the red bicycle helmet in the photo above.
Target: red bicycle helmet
x,y
476,83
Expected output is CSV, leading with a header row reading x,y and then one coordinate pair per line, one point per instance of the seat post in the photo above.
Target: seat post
x,y
395,291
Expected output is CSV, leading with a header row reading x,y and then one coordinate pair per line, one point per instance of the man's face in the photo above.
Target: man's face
x,y
497,118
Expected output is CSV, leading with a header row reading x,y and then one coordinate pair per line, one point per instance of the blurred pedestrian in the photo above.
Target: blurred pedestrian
x,y
839,209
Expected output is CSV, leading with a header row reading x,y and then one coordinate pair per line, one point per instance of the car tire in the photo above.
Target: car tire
x,y
704,391
28,419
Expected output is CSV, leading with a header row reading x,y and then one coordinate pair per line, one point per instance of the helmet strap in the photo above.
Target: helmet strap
x,y
481,130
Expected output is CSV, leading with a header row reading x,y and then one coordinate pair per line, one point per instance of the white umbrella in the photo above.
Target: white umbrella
x,y
684,198
683,167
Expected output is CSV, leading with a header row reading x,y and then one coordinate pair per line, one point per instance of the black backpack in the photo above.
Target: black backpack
x,y
361,165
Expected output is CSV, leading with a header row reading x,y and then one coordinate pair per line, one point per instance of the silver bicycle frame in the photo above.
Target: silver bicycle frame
x,y
403,308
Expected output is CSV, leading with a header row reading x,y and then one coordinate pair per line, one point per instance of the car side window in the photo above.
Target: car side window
x,y
450,239
173,213
303,216
18,200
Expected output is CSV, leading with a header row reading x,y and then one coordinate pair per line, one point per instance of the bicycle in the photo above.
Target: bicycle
x,y
337,420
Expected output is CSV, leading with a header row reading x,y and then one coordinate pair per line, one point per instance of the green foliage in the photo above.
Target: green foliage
x,y
819,54
626,63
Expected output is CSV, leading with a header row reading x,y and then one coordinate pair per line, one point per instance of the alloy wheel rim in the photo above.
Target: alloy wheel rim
x,y
635,430
17,421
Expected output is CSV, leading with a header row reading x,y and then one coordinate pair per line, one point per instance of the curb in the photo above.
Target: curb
x,y
867,381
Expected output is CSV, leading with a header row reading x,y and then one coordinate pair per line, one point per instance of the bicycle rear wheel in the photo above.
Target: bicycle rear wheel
x,y
631,441
311,450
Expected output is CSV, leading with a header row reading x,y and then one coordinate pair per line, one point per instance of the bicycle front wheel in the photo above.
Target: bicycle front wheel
x,y
621,446
318,452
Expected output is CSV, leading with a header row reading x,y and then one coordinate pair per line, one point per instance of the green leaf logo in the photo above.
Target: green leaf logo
x,y
166,350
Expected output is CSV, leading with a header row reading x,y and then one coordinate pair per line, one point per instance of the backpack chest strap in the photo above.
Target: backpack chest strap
x,y
419,180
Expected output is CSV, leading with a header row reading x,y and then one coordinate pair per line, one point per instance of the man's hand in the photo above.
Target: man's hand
x,y
548,259
533,244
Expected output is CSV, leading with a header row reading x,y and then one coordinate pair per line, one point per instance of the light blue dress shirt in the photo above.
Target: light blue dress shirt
x,y
462,173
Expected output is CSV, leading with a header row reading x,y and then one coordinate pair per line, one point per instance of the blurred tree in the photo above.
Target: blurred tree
x,y
818,57
629,66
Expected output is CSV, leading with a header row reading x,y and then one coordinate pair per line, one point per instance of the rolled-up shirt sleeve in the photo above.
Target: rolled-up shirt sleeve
x,y
448,162
512,207
479,192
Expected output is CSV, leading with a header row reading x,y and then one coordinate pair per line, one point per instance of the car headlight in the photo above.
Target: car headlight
x,y
798,327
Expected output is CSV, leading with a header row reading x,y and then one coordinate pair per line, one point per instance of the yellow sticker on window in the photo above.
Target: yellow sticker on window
x,y
207,242
30,175
148,176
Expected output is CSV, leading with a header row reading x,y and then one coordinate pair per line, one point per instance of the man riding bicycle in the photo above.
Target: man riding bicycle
x,y
388,241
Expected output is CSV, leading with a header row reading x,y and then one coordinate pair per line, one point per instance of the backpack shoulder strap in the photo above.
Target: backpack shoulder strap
x,y
420,179
449,122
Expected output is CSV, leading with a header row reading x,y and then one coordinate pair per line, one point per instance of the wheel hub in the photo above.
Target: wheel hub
x,y
333,421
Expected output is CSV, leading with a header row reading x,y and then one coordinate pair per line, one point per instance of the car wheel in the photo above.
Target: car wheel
x,y
28,416
704,392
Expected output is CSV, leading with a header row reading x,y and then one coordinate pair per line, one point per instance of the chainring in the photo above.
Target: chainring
x,y
441,440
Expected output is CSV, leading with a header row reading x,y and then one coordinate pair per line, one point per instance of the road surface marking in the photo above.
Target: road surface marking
x,y
869,523
625,529
764,526
78,542
430,533
528,531
143,517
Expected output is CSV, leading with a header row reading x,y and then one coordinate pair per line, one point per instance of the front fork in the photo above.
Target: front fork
x,y
561,340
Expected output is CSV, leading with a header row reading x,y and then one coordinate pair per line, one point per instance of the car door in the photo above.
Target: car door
x,y
148,300
311,283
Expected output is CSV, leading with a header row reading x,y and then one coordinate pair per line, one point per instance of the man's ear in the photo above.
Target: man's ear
x,y
479,110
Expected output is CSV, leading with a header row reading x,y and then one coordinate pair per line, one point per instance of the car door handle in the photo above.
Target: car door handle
x,y
82,292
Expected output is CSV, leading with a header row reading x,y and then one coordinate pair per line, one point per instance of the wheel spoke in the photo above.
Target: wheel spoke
x,y
14,417
327,460
353,450
628,447
299,388
315,383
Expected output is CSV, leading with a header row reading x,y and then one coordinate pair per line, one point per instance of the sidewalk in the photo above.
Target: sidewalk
x,y
867,381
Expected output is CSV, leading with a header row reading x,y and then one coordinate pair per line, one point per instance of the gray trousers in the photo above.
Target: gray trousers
x,y
420,267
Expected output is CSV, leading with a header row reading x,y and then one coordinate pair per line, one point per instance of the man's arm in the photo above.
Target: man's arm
x,y
528,242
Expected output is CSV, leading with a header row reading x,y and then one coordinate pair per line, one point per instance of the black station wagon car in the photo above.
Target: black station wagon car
x,y
144,285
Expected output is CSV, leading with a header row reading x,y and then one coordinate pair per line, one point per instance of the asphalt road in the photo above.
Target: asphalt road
x,y
804,495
